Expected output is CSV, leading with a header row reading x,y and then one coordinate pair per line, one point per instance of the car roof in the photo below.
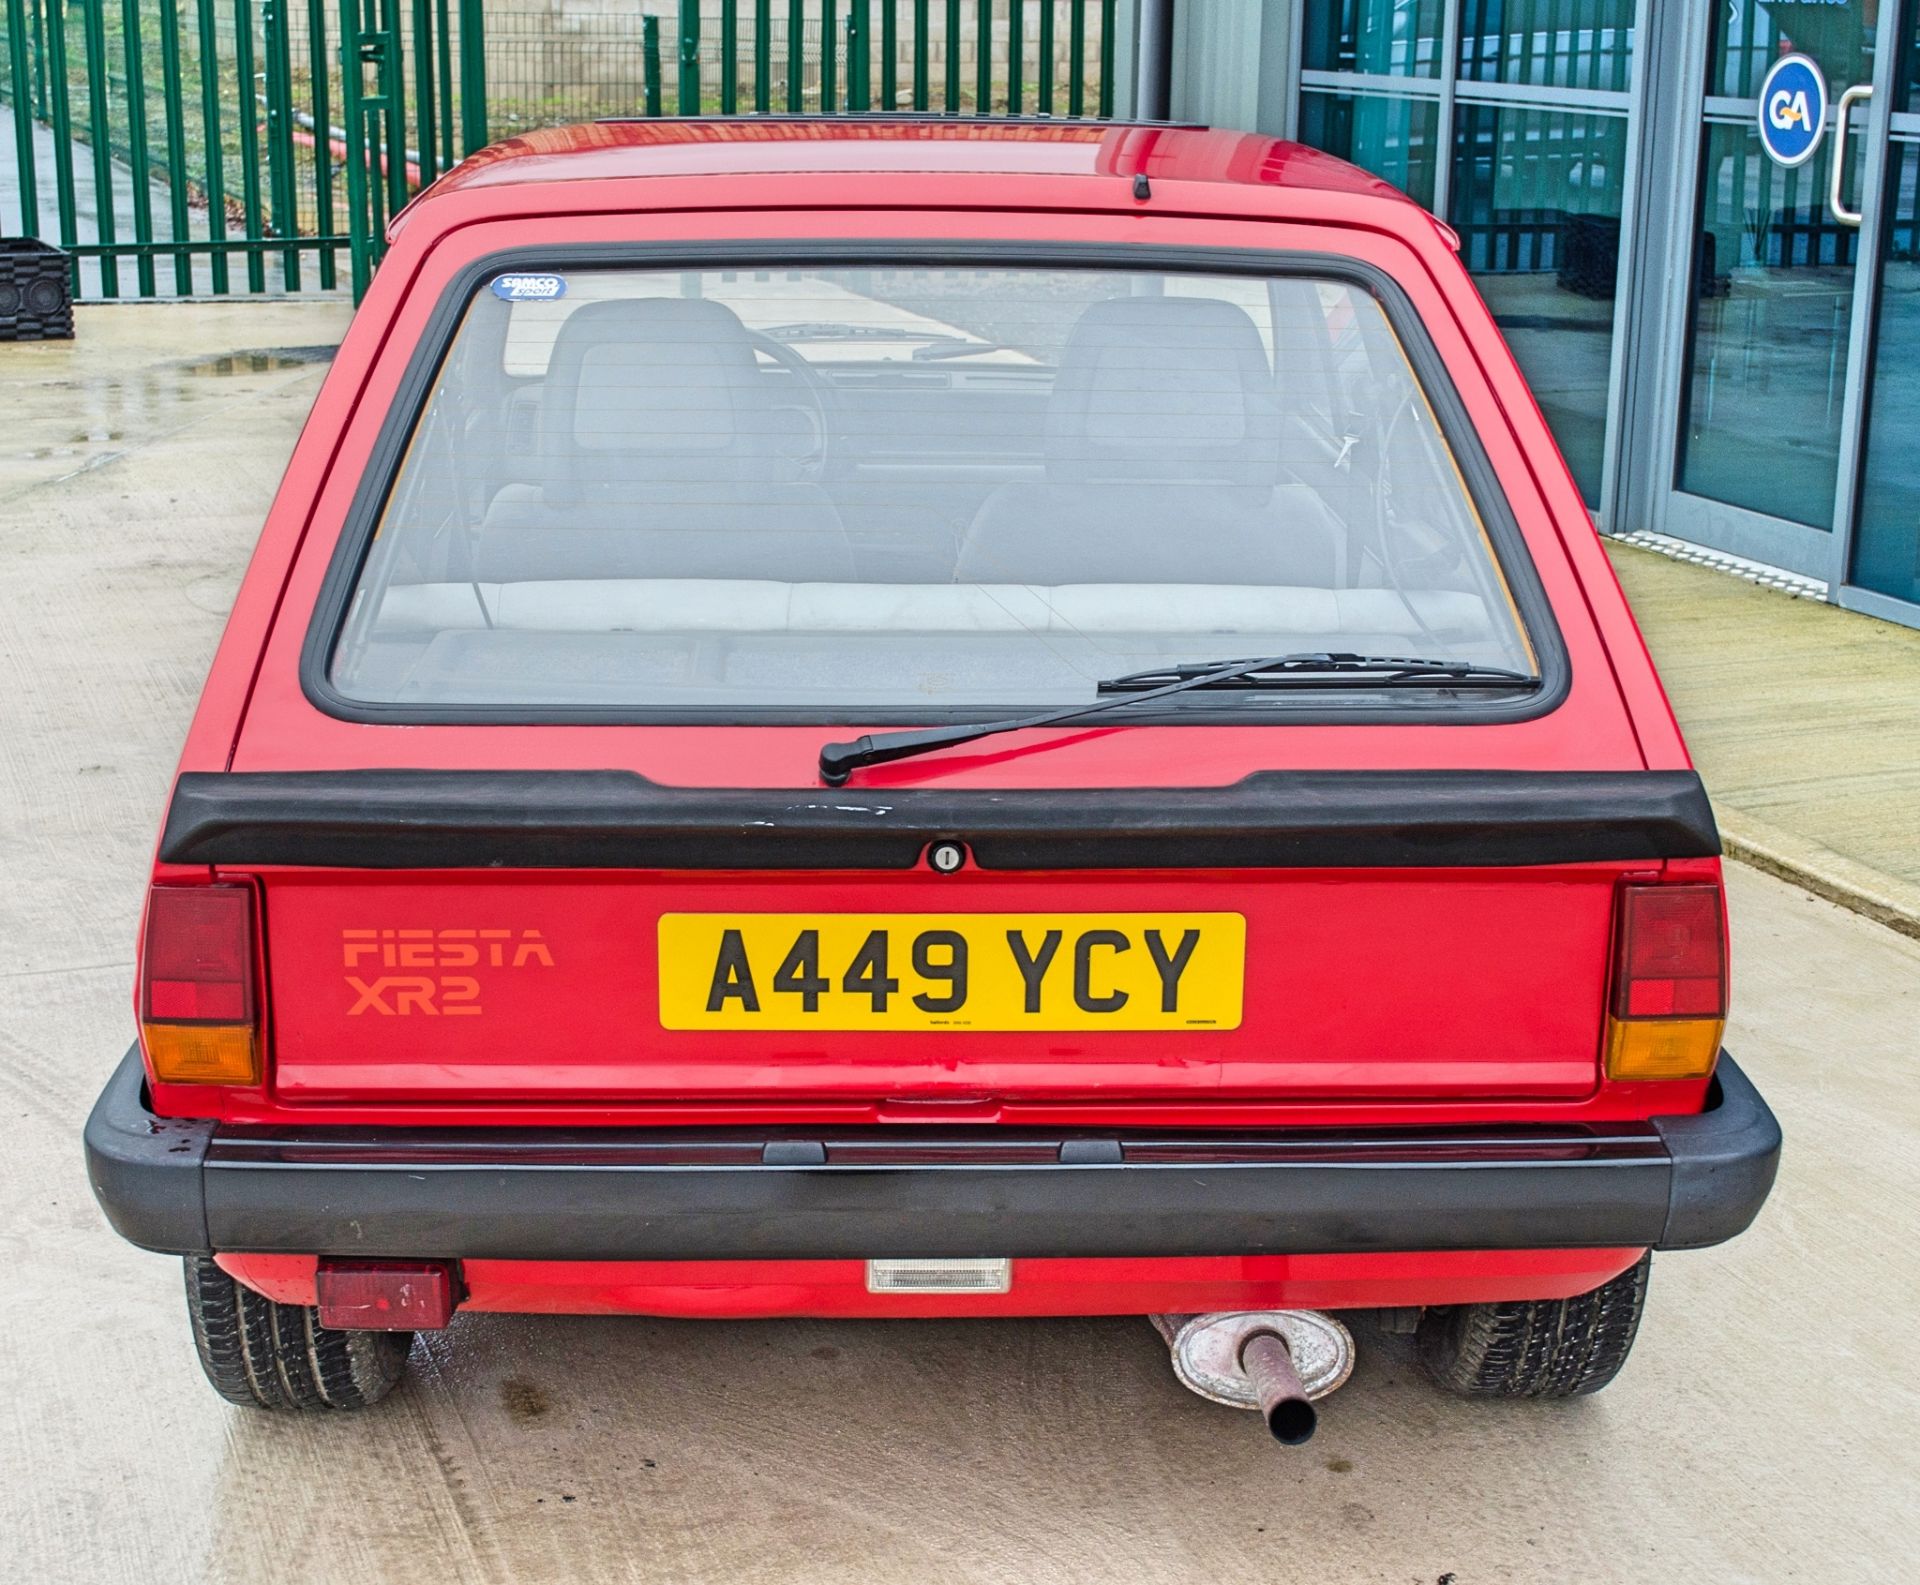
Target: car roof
x,y
891,143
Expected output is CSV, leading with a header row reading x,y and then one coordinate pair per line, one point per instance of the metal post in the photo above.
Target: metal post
x,y
94,33
1108,39
796,54
243,65
322,137
859,65
473,77
285,210
829,49
1448,111
1045,90
62,115
424,111
983,59
23,117
688,50
762,56
40,58
179,223
137,154
650,66
393,99
729,57
922,99
443,65
353,116
889,56
953,57
216,183
1077,57
1152,93
1016,55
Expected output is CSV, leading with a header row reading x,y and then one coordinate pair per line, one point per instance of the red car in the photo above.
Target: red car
x,y
909,718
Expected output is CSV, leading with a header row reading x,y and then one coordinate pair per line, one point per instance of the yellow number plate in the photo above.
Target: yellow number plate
x,y
951,971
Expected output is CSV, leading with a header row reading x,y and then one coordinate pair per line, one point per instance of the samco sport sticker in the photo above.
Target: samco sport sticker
x,y
529,288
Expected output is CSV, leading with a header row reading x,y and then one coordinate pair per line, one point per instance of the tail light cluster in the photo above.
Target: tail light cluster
x,y
198,1021
1669,1004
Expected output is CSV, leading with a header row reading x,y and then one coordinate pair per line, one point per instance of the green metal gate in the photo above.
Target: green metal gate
x,y
193,147
177,147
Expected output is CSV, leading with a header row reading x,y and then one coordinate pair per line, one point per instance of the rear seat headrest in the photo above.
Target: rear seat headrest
x,y
1166,389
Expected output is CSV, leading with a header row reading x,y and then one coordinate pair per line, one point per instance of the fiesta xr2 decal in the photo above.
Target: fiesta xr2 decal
x,y
449,995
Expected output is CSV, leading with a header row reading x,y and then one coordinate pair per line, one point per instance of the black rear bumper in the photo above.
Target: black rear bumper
x,y
678,1194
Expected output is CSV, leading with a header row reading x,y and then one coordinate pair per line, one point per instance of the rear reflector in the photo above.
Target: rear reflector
x,y
197,1020
939,1276
384,1295
1669,1003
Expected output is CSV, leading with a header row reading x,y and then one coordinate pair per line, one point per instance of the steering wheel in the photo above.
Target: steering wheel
x,y
822,407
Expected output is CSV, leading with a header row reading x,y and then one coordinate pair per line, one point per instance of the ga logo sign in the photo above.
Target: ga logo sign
x,y
1793,110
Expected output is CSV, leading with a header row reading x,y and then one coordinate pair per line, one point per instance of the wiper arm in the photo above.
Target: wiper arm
x,y
1307,670
839,760
939,349
840,330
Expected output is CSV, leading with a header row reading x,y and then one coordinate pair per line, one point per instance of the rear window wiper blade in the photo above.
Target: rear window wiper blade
x,y
1313,670
839,760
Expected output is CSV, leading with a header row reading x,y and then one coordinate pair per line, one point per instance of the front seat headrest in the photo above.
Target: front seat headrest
x,y
1163,389
653,390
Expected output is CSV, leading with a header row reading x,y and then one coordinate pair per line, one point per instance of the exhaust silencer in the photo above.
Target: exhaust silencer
x,y
1273,1361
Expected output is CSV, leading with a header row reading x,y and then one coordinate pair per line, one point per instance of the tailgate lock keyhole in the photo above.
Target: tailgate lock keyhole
x,y
946,857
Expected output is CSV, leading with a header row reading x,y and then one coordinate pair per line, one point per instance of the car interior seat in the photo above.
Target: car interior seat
x,y
1163,462
659,457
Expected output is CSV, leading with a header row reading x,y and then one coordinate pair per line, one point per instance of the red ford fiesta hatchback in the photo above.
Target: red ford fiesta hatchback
x,y
923,718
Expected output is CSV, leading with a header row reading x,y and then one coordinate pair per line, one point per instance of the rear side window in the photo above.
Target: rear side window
x,y
899,493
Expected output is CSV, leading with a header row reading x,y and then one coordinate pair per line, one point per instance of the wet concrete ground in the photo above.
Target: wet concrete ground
x,y
1762,1431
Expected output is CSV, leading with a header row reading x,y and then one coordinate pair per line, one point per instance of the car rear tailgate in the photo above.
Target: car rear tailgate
x,y
1317,963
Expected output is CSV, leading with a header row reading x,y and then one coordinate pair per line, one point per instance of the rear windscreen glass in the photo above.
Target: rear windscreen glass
x,y
697,494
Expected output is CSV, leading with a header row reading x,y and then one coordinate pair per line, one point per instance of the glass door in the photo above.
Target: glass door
x,y
1883,564
1771,398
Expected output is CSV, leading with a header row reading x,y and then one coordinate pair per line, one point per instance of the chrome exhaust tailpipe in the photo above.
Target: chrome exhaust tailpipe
x,y
1273,1361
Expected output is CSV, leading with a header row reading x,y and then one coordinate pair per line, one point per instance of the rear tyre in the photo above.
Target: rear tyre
x,y
263,1355
1541,1348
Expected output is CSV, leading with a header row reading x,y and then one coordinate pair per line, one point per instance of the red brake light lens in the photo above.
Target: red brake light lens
x,y
196,992
1673,960
385,1295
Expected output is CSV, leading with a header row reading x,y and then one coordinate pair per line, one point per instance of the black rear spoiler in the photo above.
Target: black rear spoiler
x,y
610,819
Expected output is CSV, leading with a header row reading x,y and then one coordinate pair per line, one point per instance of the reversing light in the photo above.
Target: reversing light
x,y
197,1021
939,1276
1669,1006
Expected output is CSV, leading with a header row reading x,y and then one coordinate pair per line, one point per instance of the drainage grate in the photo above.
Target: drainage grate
x,y
1793,583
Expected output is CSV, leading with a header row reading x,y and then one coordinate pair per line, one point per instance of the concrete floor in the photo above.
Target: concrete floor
x,y
1803,718
1762,1432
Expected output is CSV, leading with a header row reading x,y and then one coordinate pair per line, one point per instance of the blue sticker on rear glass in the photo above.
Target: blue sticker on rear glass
x,y
529,288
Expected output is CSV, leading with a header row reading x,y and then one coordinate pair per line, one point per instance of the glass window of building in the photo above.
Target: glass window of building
x,y
1773,279
1533,122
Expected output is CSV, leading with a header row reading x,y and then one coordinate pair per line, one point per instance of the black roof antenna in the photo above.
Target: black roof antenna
x,y
1142,190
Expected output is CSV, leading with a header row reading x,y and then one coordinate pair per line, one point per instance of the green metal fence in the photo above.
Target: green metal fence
x,y
743,57
183,147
